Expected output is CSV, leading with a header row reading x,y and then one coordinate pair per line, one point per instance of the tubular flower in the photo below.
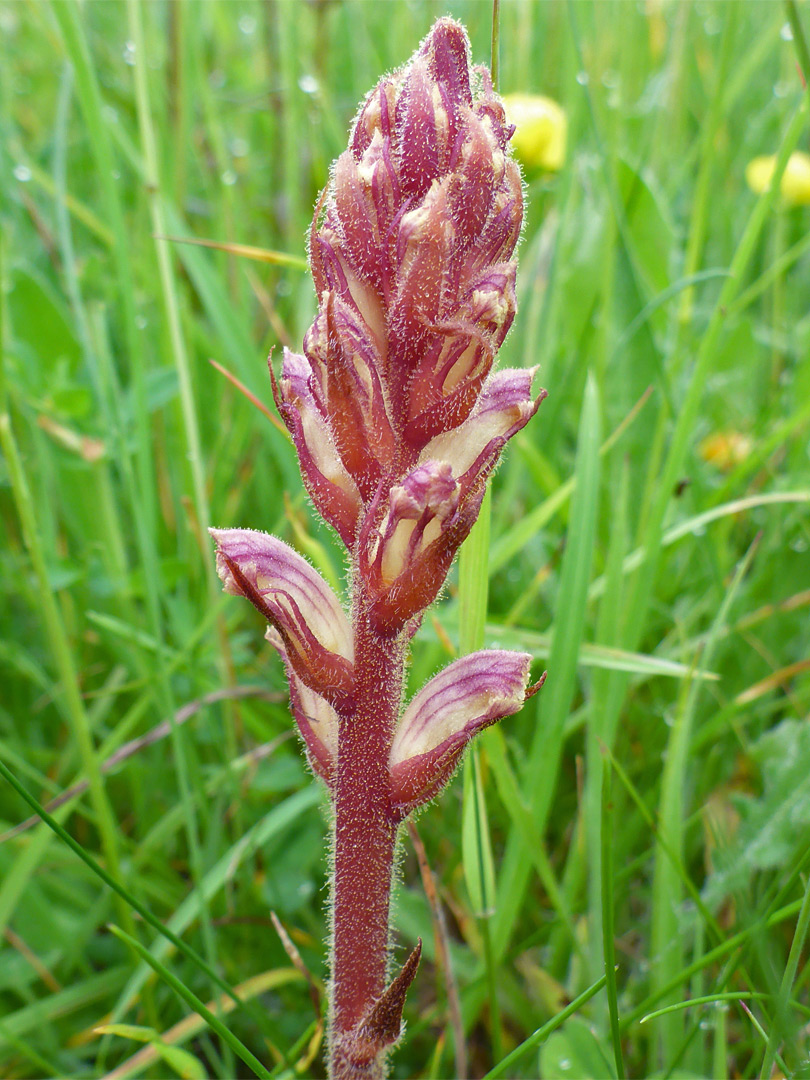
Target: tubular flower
x,y
398,420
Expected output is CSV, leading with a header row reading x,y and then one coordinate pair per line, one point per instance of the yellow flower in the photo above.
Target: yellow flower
x,y
795,186
540,130
726,449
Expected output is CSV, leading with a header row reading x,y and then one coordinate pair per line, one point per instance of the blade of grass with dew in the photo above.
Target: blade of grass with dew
x,y
187,911
543,1032
278,819
62,653
779,1024
192,1024
608,916
554,701
509,545
609,621
695,524
666,943
194,1002
475,841
141,490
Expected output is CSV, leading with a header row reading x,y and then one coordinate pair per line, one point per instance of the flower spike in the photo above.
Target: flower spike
x,y
398,418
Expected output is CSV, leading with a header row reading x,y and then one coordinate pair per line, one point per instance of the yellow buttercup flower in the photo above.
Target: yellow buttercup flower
x,y
540,130
795,186
726,449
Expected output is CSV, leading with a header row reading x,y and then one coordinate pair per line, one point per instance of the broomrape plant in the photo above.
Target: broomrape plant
x,y
398,420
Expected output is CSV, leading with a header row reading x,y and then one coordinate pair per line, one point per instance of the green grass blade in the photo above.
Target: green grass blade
x,y
194,1002
543,1032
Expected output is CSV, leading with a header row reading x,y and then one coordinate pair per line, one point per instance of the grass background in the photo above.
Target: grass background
x,y
652,805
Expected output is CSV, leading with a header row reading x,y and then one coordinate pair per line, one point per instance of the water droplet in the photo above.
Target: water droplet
x,y
228,177
583,78
247,24
786,33
22,173
699,530
669,719
309,84
564,1064
110,114
799,545
239,147
141,322
610,78
781,89
8,21
128,53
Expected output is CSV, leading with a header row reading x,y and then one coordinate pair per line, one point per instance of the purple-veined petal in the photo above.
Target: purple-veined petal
x,y
467,696
506,405
296,600
333,490
316,719
417,508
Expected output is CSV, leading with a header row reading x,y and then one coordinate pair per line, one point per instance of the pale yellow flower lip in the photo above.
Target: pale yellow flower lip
x,y
795,186
541,130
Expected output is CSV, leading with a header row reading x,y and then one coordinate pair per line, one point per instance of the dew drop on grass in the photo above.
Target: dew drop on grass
x,y
583,78
309,84
610,79
239,148
128,53
781,89
564,1064
141,322
786,33
22,173
799,545
228,177
247,24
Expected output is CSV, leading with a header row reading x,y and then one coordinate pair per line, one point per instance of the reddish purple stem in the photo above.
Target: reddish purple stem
x,y
365,835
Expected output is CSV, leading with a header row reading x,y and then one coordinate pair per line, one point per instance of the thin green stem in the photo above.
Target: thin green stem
x,y
473,599
608,916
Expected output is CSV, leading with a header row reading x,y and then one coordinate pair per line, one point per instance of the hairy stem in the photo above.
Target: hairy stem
x,y
365,838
